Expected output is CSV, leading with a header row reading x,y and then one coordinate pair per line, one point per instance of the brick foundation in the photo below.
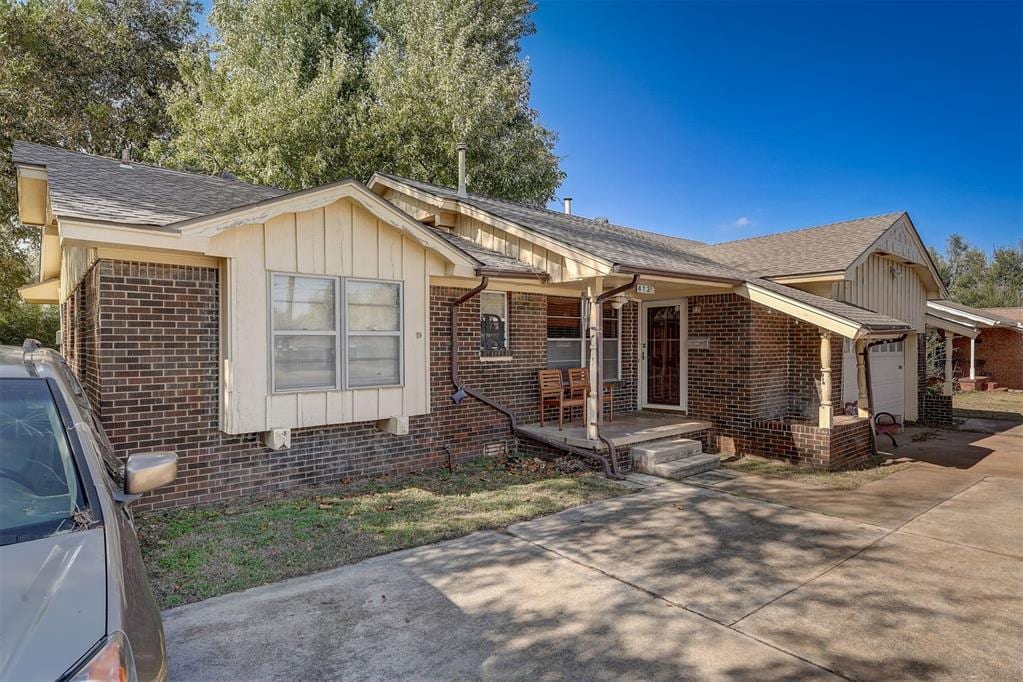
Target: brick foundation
x,y
847,443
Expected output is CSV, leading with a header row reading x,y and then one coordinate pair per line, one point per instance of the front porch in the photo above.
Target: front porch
x,y
626,430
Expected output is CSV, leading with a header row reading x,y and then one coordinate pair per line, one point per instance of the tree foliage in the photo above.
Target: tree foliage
x,y
975,280
86,75
299,93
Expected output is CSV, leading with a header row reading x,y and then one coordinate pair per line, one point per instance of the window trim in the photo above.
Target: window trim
x,y
506,352
618,339
272,333
584,339
400,333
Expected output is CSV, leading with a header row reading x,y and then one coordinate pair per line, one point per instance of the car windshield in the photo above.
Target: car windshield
x,y
40,490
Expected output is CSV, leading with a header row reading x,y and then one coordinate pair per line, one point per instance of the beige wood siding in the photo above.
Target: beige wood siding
x,y
886,286
342,239
560,265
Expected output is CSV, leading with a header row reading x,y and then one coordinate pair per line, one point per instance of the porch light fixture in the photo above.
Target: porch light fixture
x,y
618,302
896,272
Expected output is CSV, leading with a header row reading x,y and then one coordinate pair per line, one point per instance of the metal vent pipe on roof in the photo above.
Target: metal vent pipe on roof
x,y
125,158
461,169
568,205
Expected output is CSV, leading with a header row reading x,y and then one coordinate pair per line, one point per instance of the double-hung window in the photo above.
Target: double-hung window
x,y
328,333
373,331
564,332
304,328
494,324
568,335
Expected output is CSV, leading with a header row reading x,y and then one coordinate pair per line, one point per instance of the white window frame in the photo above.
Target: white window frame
x,y
274,333
507,326
582,332
400,333
584,340
617,379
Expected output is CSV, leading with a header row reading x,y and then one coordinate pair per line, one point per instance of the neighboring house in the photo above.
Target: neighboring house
x,y
280,338
988,347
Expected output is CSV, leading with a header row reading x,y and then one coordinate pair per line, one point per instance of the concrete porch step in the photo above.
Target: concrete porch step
x,y
687,466
673,459
648,455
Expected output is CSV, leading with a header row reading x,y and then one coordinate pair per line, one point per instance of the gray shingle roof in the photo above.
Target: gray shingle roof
x,y
824,248
98,188
617,244
638,248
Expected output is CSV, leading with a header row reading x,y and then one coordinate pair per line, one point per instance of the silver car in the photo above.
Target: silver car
x,y
75,603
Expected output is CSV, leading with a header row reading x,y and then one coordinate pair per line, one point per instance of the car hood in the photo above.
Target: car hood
x,y
53,597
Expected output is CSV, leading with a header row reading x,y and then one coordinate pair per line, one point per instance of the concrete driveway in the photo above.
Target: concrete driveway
x,y
673,581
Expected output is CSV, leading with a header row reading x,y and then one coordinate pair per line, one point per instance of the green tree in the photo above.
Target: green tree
x,y
85,75
274,99
974,280
300,93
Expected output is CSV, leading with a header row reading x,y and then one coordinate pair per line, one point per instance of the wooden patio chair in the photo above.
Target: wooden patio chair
x,y
579,386
552,393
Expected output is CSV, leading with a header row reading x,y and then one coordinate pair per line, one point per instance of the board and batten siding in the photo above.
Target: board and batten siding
x,y
886,286
342,239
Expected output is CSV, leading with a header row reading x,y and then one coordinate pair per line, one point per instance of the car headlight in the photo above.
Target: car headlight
x,y
113,662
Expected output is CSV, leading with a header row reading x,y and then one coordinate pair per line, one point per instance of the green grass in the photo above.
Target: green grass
x,y
194,554
838,480
989,405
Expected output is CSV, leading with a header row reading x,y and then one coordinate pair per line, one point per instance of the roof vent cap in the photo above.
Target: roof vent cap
x,y
125,158
602,220
227,175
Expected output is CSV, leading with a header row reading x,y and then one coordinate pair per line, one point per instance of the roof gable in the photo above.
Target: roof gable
x,y
824,248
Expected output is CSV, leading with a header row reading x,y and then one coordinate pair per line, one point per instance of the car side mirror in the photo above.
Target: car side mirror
x,y
148,471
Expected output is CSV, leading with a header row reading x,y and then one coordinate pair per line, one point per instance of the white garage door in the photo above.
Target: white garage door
x,y
887,369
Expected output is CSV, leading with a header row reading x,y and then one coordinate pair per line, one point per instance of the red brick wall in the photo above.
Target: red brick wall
x,y
156,387
999,352
761,365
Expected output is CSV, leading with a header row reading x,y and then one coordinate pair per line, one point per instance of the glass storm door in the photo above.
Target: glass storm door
x,y
664,355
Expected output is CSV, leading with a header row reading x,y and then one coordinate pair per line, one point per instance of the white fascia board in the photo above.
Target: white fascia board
x,y
947,311
261,212
85,233
951,326
802,311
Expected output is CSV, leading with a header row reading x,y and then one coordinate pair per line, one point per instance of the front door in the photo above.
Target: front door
x,y
664,353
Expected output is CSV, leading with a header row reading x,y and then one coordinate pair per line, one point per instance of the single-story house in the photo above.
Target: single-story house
x,y
278,338
989,346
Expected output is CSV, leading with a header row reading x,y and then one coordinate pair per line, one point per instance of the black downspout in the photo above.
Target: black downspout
x,y
466,390
611,454
870,389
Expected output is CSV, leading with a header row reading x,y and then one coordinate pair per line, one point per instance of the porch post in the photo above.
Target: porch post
x,y
973,358
593,290
947,388
825,414
862,399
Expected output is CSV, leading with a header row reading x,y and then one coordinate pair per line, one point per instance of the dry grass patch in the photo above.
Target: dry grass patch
x,y
837,480
194,554
989,405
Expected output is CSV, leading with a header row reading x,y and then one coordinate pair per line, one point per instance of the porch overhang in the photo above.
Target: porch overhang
x,y
819,317
957,328
42,292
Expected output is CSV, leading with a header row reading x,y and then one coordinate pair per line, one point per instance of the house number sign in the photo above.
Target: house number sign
x,y
645,289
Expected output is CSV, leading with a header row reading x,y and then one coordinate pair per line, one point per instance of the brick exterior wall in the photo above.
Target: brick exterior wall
x,y
757,383
144,340
998,352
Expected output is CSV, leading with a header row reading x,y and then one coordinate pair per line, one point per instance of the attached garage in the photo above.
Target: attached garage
x,y
887,376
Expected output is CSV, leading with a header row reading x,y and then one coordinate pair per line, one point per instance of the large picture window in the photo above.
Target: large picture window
x,y
373,333
304,330
312,330
494,324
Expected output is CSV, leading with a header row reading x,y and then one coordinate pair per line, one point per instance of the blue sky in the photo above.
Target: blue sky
x,y
723,120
